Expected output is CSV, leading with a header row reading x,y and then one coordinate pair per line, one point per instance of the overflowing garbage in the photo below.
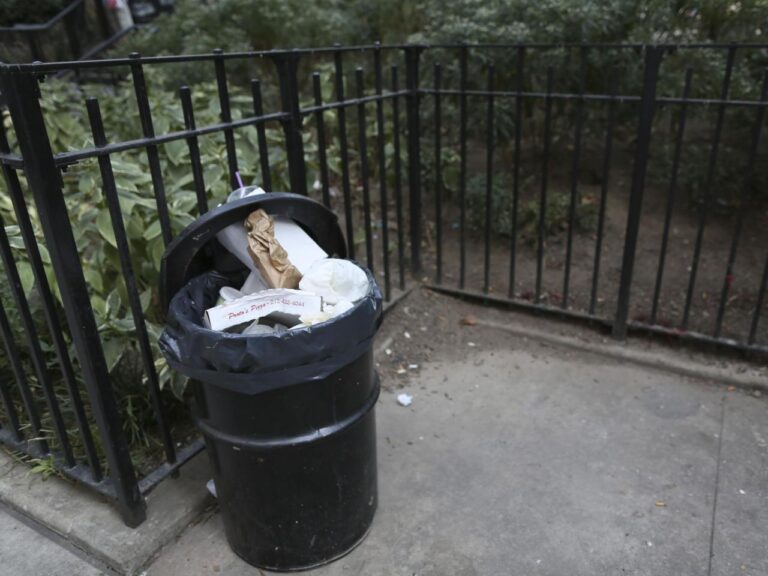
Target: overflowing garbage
x,y
292,282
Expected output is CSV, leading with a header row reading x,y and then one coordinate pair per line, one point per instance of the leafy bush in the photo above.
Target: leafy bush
x,y
555,218
29,11
67,123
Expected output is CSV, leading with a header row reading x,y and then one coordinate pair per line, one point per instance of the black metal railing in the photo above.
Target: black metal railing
x,y
80,29
522,118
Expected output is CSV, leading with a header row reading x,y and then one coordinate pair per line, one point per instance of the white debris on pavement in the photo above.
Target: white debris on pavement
x,y
211,487
404,399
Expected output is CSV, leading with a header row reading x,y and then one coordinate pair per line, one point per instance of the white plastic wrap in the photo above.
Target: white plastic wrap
x,y
335,280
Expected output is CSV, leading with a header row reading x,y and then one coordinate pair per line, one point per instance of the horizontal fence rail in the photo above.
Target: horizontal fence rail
x,y
612,184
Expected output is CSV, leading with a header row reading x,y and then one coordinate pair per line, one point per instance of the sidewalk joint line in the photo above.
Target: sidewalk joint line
x,y
717,487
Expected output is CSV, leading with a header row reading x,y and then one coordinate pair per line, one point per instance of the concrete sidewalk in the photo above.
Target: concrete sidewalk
x,y
520,456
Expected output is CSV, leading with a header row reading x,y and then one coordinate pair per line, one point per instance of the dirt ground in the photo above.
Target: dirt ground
x,y
745,281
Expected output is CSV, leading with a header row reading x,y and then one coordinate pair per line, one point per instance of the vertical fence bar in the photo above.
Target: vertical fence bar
x,y
653,58
412,54
320,122
34,46
544,180
101,13
123,250
73,40
488,183
671,194
706,206
21,93
148,129
759,304
742,210
463,57
8,404
194,150
363,154
398,180
382,144
49,308
574,200
438,178
287,72
603,196
261,134
35,349
14,359
226,116
516,169
341,118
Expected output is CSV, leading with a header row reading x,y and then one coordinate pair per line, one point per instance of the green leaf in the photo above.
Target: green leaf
x,y
153,231
146,299
176,150
26,275
93,278
104,225
113,351
113,303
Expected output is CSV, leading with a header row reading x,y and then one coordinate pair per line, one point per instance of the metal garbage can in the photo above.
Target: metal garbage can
x,y
289,422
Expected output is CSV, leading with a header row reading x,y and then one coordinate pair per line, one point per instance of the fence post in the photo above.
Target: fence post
x,y
653,58
287,71
412,54
22,92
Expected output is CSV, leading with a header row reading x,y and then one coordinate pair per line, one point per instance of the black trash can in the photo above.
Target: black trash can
x,y
288,419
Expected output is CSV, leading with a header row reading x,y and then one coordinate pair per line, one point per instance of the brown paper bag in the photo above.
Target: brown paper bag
x,y
270,258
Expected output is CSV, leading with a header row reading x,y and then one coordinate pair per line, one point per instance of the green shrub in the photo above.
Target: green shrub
x,y
555,219
29,11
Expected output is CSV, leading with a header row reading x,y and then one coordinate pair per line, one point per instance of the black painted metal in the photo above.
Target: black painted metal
x,y
398,178
321,145
341,117
671,194
412,54
295,467
261,132
607,150
463,65
226,116
449,199
148,129
382,154
194,150
540,232
653,58
132,289
742,209
21,92
287,71
49,308
491,141
516,171
363,160
706,206
574,200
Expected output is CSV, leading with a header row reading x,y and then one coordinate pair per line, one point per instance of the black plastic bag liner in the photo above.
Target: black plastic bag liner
x,y
252,364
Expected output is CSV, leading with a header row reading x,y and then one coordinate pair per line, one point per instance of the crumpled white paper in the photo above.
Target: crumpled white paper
x,y
329,311
335,280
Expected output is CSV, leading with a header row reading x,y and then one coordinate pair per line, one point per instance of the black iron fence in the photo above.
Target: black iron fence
x,y
604,183
79,30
